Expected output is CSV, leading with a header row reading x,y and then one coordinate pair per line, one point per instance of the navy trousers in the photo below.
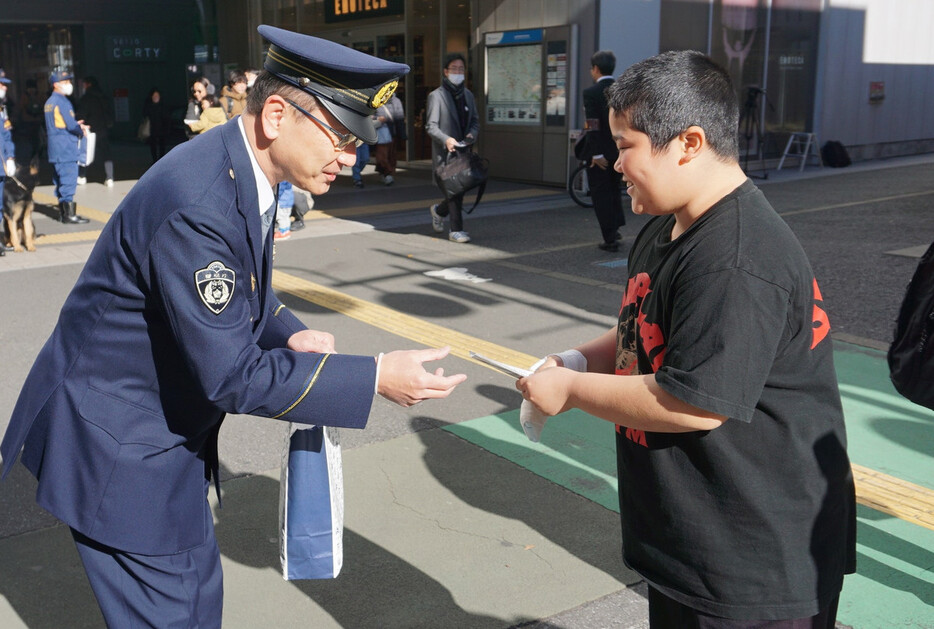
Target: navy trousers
x,y
65,179
183,591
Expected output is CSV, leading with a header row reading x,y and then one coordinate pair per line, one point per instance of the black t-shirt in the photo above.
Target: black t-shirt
x,y
755,519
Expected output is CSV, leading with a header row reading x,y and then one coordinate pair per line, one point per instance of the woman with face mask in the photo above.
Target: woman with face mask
x,y
452,121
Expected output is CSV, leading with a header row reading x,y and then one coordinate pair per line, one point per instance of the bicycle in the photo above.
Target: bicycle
x,y
579,187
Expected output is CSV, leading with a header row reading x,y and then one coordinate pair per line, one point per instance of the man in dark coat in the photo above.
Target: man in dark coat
x,y
601,152
173,323
94,108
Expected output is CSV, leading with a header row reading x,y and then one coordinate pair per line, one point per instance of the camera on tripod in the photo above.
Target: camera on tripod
x,y
752,96
749,121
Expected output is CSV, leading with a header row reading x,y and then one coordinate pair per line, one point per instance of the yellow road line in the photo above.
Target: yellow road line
x,y
398,323
888,494
82,210
58,239
904,500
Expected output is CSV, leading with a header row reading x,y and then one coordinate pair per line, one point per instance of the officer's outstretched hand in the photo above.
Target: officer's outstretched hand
x,y
403,379
312,341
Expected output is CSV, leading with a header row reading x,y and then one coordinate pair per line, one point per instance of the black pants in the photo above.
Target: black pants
x,y
453,207
665,612
607,202
156,147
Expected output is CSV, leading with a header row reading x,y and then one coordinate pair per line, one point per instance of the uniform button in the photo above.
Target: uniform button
x,y
231,173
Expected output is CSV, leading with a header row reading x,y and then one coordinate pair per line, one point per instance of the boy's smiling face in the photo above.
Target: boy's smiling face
x,y
650,176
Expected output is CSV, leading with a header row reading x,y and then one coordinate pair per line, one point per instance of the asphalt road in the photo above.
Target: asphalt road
x,y
547,287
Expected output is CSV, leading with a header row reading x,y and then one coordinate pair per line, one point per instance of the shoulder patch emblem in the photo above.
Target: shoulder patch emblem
x,y
215,285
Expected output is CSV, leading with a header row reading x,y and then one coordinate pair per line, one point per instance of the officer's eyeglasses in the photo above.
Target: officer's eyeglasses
x,y
343,139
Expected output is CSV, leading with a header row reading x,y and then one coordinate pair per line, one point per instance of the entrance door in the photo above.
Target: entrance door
x,y
391,47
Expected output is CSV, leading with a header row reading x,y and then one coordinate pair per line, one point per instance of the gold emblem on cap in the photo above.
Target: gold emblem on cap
x,y
383,94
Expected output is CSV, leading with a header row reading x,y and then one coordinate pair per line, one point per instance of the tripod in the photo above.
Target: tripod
x,y
749,120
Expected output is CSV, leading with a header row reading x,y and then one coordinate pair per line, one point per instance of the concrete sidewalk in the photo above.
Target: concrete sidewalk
x,y
451,518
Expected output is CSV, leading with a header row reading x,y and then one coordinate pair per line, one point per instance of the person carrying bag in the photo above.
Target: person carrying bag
x,y
460,172
452,122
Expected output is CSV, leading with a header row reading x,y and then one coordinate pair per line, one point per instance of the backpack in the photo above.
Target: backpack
x,y
911,355
834,155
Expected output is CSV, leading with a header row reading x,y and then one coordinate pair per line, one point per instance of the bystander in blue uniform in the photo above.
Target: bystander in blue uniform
x,y
64,133
7,150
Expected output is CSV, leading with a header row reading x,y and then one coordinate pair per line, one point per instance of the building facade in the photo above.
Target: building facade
x,y
856,71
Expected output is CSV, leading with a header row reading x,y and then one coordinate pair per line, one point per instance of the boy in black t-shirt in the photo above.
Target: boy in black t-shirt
x,y
736,498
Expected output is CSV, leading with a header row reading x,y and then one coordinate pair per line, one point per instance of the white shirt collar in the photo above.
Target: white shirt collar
x,y
264,192
605,77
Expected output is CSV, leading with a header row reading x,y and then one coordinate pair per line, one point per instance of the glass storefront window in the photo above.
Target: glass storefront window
x,y
770,51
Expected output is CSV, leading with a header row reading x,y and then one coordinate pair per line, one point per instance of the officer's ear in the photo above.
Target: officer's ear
x,y
271,117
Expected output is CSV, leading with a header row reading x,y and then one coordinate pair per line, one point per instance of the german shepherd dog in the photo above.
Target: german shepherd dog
x,y
18,206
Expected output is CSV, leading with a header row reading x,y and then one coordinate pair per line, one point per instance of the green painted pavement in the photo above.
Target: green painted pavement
x,y
894,584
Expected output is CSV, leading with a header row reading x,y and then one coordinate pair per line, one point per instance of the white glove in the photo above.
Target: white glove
x,y
531,419
10,167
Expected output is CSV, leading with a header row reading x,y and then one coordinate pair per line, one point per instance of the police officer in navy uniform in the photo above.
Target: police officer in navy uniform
x,y
173,323
64,133
7,149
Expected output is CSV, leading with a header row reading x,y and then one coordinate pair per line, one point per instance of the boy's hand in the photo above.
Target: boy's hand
x,y
403,380
600,162
548,389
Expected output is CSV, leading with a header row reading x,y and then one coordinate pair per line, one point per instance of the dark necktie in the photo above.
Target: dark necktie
x,y
268,217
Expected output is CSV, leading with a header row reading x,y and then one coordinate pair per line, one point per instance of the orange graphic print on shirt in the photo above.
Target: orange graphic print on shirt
x,y
820,320
632,321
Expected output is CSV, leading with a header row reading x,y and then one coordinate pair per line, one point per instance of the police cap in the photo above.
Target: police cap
x,y
349,83
61,75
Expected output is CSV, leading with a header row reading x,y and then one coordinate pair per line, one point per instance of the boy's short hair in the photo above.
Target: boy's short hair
x,y
665,94
605,61
211,98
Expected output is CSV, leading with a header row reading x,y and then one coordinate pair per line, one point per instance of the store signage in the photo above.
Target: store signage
x,y
343,10
528,36
136,49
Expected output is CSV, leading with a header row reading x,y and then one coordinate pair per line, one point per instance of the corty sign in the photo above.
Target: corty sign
x,y
135,49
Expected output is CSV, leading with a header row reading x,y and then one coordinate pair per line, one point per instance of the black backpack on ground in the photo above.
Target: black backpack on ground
x,y
834,155
911,355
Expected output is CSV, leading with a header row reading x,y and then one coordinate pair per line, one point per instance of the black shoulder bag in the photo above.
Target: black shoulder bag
x,y
461,171
911,355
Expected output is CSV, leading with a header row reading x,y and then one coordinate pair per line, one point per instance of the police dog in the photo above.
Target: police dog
x,y
18,206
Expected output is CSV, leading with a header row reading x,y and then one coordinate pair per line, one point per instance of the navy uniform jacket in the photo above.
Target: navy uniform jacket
x,y
172,324
6,138
62,128
595,108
